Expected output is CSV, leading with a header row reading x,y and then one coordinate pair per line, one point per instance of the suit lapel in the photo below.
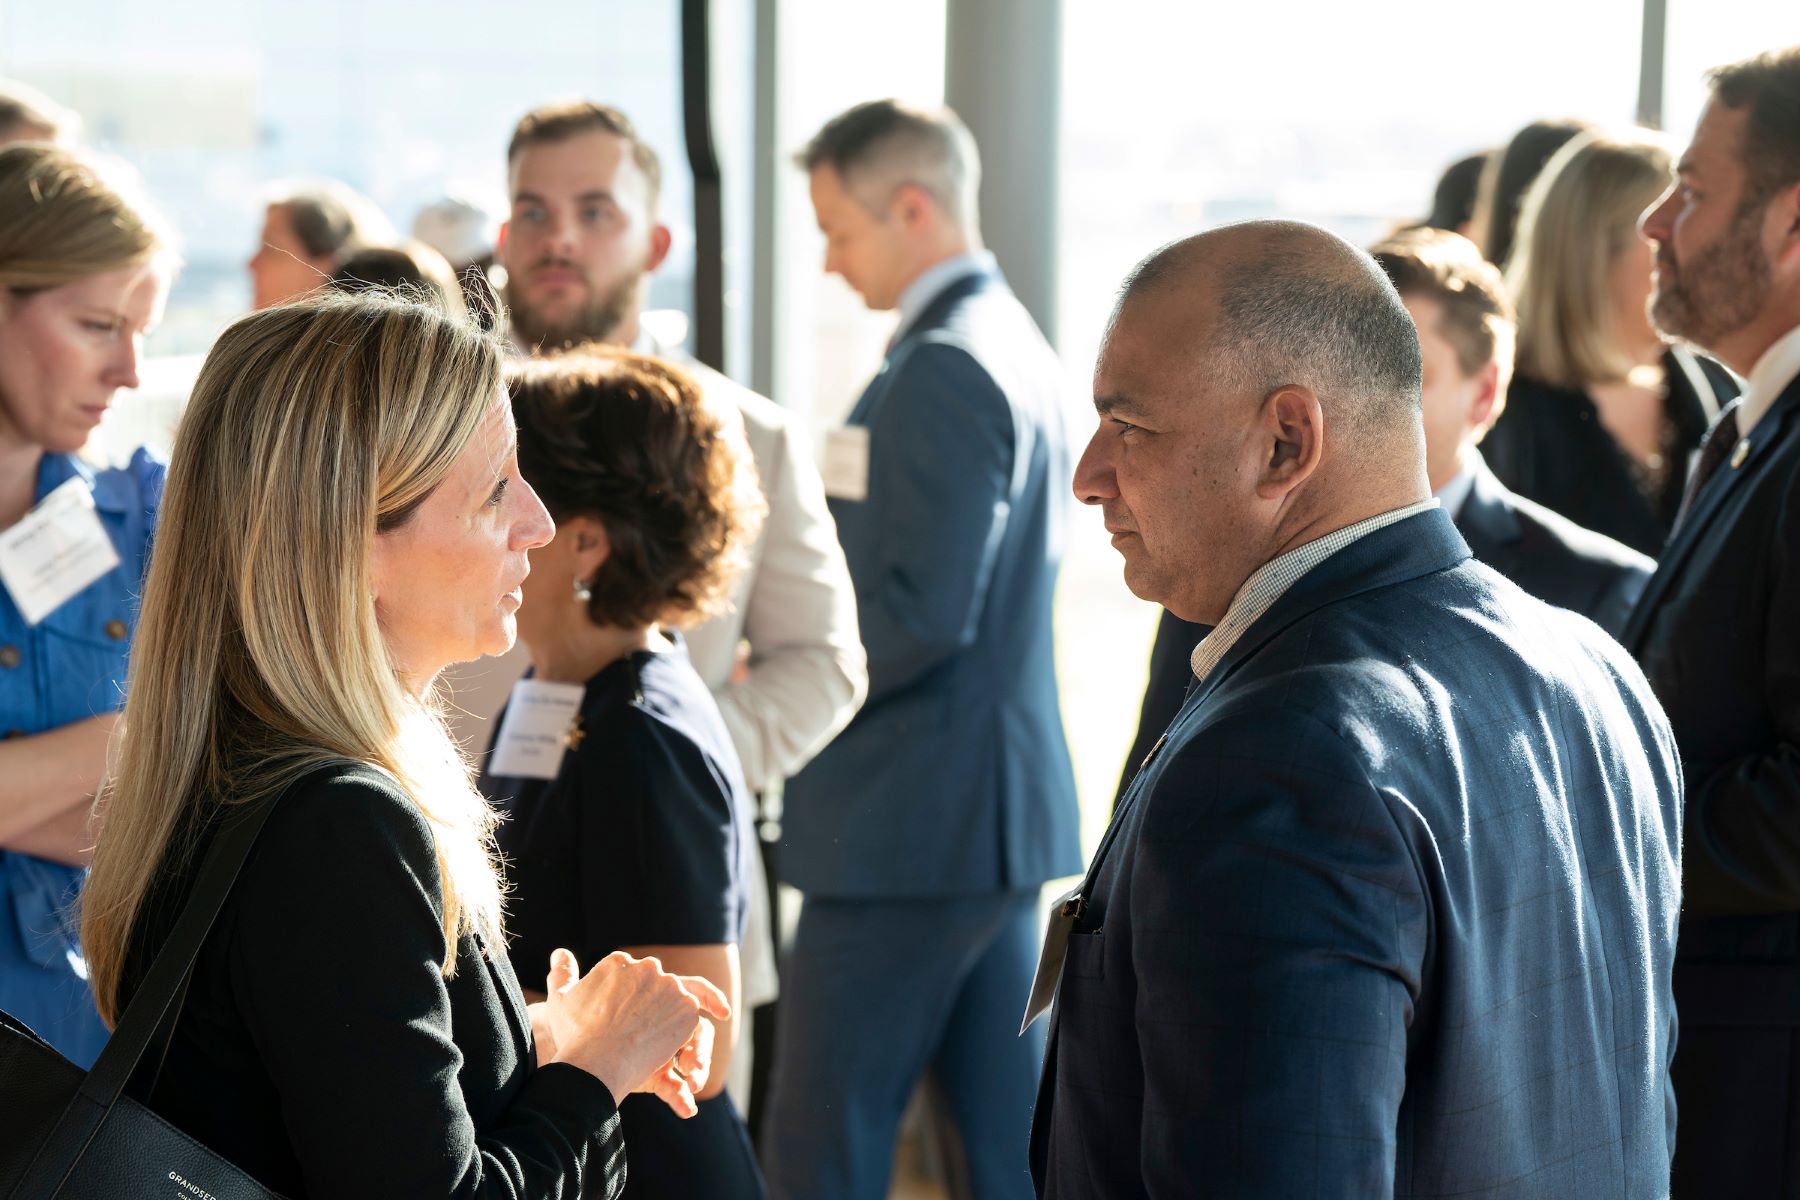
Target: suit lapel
x,y
1487,522
934,315
1698,520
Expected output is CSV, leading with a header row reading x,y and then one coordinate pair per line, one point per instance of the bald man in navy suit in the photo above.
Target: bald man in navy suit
x,y
1391,907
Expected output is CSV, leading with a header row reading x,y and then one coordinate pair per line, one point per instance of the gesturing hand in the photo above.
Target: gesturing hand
x,y
634,1026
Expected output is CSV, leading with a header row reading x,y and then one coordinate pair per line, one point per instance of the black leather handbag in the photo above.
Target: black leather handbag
x,y
65,1133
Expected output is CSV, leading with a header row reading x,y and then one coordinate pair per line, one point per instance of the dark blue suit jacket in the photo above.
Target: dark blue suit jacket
x,y
1718,632
954,776
1548,555
1390,911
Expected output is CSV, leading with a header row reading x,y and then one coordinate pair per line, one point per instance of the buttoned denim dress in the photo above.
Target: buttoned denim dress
x,y
68,667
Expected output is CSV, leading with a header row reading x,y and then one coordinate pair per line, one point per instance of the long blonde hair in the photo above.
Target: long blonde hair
x,y
1580,215
64,217
313,427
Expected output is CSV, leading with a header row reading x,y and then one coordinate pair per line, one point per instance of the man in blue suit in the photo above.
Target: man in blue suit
x,y
922,835
1392,907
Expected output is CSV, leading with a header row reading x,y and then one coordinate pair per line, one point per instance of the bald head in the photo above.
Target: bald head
x,y
1258,388
1275,303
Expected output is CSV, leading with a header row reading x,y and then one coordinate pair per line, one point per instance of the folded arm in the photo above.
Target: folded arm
x,y
47,785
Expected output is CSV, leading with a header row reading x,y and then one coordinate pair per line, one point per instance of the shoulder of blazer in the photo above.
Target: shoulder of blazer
x,y
943,307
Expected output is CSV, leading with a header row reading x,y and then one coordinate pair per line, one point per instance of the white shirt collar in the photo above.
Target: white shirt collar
x,y
1777,368
932,282
1455,492
1270,581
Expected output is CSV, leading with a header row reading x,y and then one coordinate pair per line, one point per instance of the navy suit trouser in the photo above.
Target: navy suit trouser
x,y
876,994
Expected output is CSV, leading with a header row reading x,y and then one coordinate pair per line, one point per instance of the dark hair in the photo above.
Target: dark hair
x,y
1506,178
1769,87
932,149
414,272
565,119
25,111
630,440
1477,317
331,219
1453,203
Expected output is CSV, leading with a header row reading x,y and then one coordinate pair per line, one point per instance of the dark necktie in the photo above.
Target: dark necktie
x,y
1713,452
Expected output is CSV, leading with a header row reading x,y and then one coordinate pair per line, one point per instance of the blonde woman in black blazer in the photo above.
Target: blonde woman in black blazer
x,y
344,518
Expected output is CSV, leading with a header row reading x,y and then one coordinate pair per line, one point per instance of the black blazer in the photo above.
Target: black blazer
x,y
1391,911
1718,633
1552,558
1549,446
322,1050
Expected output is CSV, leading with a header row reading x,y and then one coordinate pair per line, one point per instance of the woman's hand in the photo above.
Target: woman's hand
x,y
633,1026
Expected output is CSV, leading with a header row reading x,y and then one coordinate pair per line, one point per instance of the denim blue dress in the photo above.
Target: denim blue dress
x,y
68,667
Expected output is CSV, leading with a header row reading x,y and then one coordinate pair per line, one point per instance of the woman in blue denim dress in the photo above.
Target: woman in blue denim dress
x,y
84,269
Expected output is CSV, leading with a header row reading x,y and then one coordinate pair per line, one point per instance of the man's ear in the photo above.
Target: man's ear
x,y
1784,215
913,205
1487,397
660,241
1291,433
500,242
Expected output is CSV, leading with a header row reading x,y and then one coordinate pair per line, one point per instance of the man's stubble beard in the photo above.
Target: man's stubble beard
x,y
597,321
1720,291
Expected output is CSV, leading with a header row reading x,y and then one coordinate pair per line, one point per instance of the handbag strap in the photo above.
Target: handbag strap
x,y
151,1015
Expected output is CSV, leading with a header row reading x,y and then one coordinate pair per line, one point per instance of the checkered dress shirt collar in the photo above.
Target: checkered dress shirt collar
x,y
1269,581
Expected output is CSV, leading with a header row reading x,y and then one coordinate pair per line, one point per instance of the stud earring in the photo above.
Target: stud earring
x,y
583,593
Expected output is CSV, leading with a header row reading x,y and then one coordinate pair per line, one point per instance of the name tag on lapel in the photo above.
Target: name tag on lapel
x,y
55,551
846,469
1063,915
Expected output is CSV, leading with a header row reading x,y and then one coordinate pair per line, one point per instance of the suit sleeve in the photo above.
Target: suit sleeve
x,y
339,976
1278,921
941,460
1741,851
807,673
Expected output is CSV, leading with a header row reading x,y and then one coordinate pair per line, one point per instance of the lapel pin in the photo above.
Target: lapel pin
x,y
1739,454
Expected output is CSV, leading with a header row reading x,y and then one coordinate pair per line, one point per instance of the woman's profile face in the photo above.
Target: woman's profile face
x,y
447,582
66,351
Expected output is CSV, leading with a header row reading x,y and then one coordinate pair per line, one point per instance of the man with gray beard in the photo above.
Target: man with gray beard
x,y
1718,634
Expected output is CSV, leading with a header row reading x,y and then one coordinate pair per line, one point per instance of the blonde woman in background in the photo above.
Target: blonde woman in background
x,y
344,518
1602,414
84,268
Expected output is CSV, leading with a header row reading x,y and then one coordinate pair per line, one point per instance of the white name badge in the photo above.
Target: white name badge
x,y
55,551
846,469
1063,915
540,719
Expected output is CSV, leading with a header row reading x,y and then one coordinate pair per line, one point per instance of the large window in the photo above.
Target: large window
x,y
212,100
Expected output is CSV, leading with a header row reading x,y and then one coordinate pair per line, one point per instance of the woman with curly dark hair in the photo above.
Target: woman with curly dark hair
x,y
628,820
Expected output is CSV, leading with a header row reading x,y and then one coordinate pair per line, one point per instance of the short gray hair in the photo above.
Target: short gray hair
x,y
331,219
888,144
1284,316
